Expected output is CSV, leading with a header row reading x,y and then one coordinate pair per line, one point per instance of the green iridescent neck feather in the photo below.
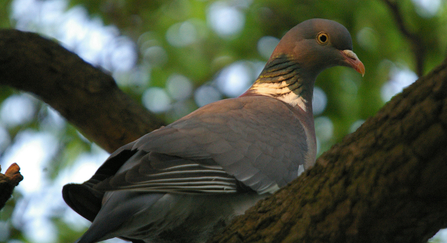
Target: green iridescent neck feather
x,y
280,77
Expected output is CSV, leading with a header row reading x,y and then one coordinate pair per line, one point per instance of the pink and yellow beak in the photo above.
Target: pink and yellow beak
x,y
353,61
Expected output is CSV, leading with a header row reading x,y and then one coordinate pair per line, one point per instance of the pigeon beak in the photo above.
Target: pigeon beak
x,y
353,61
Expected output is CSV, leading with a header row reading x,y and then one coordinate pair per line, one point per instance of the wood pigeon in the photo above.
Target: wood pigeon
x,y
184,181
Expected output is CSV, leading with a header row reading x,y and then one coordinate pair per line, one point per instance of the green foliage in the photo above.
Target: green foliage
x,y
4,14
378,41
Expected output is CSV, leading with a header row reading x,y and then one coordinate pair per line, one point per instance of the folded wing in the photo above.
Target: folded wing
x,y
254,142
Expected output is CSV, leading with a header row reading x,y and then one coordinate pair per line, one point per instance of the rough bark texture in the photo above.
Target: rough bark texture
x,y
87,97
386,182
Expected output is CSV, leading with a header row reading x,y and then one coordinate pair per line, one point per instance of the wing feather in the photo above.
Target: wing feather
x,y
256,140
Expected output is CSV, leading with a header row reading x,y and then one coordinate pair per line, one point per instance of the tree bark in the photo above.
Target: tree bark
x,y
8,181
386,182
86,96
383,183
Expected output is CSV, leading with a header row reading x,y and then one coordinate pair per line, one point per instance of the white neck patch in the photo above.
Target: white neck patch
x,y
280,91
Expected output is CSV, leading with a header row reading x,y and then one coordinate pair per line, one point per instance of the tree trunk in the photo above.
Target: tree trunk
x,y
383,183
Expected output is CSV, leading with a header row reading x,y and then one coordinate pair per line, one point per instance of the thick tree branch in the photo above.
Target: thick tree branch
x,y
416,42
384,183
84,95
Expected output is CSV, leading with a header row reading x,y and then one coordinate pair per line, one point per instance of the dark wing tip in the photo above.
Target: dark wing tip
x,y
83,199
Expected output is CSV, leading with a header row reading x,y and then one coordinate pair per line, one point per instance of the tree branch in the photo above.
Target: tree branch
x,y
84,95
8,181
384,183
416,42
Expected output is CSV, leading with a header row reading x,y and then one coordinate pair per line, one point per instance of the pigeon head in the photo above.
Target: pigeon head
x,y
317,44
306,50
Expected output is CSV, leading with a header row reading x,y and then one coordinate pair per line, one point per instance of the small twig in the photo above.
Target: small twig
x,y
416,41
8,181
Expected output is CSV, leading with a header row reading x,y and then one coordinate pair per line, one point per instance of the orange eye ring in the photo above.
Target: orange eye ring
x,y
322,38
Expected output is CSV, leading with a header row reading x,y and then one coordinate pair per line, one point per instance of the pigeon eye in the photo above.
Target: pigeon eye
x,y
322,38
